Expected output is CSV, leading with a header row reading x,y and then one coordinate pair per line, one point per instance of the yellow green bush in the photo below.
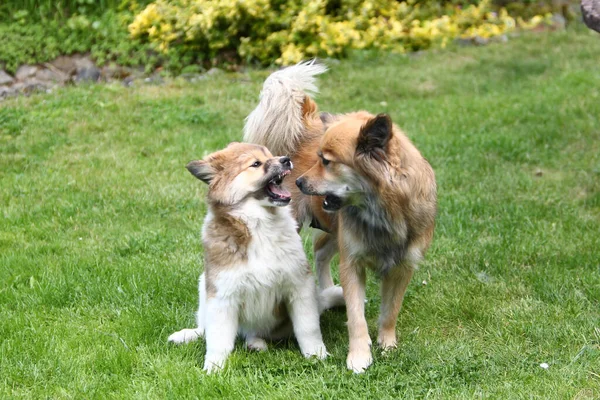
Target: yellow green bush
x,y
287,31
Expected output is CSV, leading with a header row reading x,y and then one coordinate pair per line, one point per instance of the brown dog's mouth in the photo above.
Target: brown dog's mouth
x,y
332,203
278,194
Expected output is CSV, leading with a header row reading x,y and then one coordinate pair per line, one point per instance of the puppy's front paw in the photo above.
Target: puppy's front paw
x,y
318,350
185,336
214,364
359,360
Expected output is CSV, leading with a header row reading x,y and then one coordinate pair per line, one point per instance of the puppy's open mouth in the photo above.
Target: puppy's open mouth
x,y
332,203
277,193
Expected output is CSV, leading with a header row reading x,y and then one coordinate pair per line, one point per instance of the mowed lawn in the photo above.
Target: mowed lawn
x,y
100,232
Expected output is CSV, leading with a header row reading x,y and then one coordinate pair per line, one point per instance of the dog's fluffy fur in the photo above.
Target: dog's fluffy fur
x,y
363,183
256,279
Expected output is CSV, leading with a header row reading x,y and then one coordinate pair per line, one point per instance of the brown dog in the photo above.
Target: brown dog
x,y
361,181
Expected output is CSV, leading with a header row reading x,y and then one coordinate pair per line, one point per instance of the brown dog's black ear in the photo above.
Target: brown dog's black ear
x,y
375,135
202,170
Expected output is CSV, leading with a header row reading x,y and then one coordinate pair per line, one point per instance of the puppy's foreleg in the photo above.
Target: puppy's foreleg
x,y
304,313
353,280
393,287
221,331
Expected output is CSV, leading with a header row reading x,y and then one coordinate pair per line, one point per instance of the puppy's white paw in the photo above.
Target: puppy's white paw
x,y
214,364
317,350
256,344
185,336
359,361
331,297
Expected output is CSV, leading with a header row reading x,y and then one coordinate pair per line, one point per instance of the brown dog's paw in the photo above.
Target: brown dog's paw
x,y
387,340
358,361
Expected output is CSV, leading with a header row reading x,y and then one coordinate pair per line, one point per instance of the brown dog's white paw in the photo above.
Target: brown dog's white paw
x,y
387,340
359,361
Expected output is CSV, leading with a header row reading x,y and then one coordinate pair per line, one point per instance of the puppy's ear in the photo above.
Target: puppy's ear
x,y
202,170
375,135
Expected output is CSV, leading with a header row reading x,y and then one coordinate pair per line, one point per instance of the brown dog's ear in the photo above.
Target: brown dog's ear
x,y
202,170
375,135
309,107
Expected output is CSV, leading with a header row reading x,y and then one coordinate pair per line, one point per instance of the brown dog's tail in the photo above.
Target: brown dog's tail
x,y
278,120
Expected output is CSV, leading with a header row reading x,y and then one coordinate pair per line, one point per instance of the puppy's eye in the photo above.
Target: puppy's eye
x,y
325,161
256,164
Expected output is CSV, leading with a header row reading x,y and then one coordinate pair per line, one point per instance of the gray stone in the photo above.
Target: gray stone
x,y
48,75
500,39
154,79
65,64
25,71
214,71
590,10
464,41
5,79
86,70
115,72
7,91
30,86
480,41
193,77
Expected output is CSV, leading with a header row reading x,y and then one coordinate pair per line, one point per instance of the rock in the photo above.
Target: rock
x,y
65,64
48,75
5,79
110,72
30,86
86,70
192,77
129,81
464,41
480,41
590,10
25,71
7,91
154,79
500,39
214,71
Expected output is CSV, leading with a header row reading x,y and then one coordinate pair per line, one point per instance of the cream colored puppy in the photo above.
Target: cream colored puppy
x,y
257,282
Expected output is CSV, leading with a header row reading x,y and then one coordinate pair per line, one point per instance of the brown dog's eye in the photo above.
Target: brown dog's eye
x,y
325,161
256,164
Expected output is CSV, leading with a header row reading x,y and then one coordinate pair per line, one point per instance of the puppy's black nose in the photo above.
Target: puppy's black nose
x,y
286,162
299,183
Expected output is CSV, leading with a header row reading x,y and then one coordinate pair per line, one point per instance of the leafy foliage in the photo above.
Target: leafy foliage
x,y
287,31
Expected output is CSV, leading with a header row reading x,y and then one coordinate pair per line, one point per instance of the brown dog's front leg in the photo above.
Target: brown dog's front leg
x,y
353,279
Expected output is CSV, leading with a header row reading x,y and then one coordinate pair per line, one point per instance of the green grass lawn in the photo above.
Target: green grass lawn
x,y
100,233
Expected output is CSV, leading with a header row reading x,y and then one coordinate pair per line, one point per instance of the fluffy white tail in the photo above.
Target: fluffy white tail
x,y
277,120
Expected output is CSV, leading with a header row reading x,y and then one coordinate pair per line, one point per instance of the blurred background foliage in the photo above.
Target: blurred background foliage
x,y
174,34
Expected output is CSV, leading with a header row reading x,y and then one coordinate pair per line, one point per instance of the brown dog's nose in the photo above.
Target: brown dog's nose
x,y
286,162
300,182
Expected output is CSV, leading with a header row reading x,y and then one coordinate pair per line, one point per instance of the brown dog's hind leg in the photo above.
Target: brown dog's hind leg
x,y
393,287
325,247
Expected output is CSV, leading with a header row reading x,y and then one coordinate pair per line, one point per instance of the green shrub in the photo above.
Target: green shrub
x,y
287,31
105,37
